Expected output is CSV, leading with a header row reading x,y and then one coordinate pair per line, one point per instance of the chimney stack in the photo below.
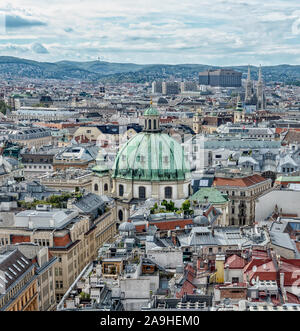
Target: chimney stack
x,y
174,238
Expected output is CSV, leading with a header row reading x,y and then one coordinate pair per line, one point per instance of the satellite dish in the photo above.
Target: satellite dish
x,y
254,269
253,281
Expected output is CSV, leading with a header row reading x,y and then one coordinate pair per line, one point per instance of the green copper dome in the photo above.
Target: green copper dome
x,y
151,112
151,157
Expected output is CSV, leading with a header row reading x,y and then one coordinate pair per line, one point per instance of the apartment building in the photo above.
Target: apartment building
x,y
18,282
70,180
30,136
72,237
44,272
35,164
242,193
221,77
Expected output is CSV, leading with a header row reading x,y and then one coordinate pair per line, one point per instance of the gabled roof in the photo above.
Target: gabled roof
x,y
288,160
291,270
292,137
249,159
239,182
13,264
235,262
90,202
264,269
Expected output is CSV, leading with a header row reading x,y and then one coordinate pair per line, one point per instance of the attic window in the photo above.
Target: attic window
x,y
24,260
8,275
21,264
10,269
17,268
2,278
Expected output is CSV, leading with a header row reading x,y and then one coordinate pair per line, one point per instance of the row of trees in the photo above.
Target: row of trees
x,y
169,207
56,201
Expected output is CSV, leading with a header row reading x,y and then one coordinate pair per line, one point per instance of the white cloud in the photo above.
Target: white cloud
x,y
171,31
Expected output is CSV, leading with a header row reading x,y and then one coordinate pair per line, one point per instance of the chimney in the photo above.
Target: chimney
x,y
281,279
174,238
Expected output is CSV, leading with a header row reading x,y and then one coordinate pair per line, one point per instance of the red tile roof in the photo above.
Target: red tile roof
x,y
239,182
293,136
264,269
292,298
291,270
187,288
259,254
235,262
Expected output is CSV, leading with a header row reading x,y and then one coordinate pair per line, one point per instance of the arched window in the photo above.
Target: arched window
x,y
96,188
120,214
154,124
168,192
121,190
149,124
142,192
105,187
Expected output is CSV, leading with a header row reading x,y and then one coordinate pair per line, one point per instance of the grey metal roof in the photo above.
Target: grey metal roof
x,y
279,227
34,219
126,227
90,202
229,236
201,220
13,265
281,239
239,144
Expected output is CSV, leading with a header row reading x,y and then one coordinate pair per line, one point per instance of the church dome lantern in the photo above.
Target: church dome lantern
x,y
152,120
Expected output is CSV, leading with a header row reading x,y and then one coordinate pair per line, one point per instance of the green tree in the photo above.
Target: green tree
x,y
186,207
3,107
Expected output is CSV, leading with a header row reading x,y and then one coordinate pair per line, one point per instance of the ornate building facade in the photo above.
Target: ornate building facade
x,y
150,165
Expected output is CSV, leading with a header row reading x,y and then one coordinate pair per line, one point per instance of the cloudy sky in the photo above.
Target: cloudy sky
x,y
216,32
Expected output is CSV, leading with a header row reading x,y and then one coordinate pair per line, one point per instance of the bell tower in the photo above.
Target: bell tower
x,y
239,113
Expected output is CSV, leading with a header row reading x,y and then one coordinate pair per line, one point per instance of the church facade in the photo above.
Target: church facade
x,y
150,165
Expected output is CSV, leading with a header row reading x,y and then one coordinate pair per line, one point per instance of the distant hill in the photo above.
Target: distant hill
x,y
16,68
11,67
